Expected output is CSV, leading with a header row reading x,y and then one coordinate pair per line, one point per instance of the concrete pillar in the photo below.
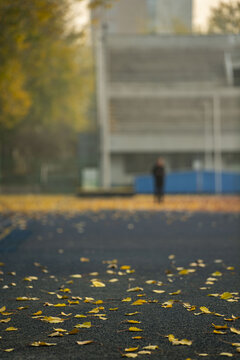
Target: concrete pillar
x,y
229,68
103,110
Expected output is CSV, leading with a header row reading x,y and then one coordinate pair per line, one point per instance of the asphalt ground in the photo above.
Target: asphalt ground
x,y
159,246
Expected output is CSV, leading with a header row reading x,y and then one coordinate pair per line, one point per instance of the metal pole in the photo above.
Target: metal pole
x,y
207,136
217,143
102,102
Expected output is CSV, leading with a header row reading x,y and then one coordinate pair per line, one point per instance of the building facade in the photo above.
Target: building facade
x,y
144,17
169,95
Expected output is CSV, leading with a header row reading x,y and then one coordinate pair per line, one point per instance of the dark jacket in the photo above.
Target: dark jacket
x,y
158,173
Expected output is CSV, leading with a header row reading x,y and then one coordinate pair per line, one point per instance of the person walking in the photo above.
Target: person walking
x,y
158,172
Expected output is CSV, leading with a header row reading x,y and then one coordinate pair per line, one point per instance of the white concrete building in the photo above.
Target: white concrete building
x,y
164,94
168,95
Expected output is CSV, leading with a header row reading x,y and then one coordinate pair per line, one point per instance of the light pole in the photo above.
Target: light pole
x,y
217,141
207,136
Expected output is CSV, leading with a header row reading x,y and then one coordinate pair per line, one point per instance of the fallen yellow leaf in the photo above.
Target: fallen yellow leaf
x,y
220,326
5,320
125,267
217,273
38,313
134,329
6,313
226,296
131,349
55,334
234,330
184,272
64,314
24,298
94,311
84,342
134,321
8,350
176,292
97,283
30,278
151,347
86,325
130,355
226,354
42,343
139,302
22,307
137,288
66,290
205,310
184,342
202,354
217,314
2,309
73,302
52,319
97,302
133,313
11,328
168,304
175,341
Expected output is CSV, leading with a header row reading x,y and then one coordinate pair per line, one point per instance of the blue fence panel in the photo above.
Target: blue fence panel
x,y
208,182
144,184
190,182
185,182
231,183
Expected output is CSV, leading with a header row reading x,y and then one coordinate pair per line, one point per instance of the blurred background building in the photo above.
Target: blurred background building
x,y
145,16
163,91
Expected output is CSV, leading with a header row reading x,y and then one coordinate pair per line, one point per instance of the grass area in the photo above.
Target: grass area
x,y
65,203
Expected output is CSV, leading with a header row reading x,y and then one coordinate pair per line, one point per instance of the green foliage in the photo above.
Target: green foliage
x,y
225,18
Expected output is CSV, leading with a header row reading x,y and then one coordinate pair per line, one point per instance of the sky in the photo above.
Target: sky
x,y
201,12
202,9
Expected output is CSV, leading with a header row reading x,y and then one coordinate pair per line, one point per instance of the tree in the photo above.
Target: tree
x,y
225,18
46,82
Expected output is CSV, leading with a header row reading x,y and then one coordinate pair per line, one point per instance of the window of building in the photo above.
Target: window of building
x,y
236,76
